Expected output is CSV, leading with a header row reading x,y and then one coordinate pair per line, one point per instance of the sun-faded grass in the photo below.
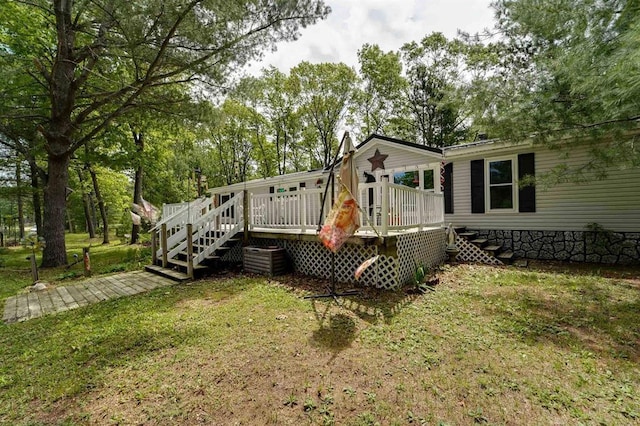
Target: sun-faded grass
x,y
489,345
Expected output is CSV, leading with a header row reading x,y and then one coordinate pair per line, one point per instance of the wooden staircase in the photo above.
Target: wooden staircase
x,y
491,248
191,241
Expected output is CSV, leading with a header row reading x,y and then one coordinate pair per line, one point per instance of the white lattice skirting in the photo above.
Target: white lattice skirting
x,y
389,272
471,253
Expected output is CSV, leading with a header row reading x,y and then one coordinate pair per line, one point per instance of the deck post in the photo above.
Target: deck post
x,y
302,209
420,198
245,213
190,250
165,250
154,247
385,206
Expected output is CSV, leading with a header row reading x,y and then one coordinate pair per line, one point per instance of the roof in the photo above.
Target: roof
x,y
374,136
399,141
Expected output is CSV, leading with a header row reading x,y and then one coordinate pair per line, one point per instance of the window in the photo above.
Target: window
x,y
409,179
501,184
412,179
427,179
494,184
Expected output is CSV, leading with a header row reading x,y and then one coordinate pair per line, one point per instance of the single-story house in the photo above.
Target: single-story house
x,y
407,194
596,220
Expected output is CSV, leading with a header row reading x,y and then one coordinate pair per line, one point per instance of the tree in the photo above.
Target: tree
x,y
280,108
569,71
99,58
325,91
437,117
378,101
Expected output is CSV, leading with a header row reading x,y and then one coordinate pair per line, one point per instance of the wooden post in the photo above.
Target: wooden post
x,y
420,198
245,214
190,250
163,242
385,206
154,246
302,209
87,261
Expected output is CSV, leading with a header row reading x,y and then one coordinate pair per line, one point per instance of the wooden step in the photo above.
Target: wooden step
x,y
168,273
468,235
480,242
184,264
506,257
493,249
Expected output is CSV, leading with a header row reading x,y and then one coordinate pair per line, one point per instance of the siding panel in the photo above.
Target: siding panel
x,y
613,203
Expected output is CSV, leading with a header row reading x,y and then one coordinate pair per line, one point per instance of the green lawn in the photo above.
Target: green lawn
x,y
489,345
15,270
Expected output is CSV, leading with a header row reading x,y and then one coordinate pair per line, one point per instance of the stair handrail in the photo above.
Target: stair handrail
x,y
183,211
237,226
196,225
176,224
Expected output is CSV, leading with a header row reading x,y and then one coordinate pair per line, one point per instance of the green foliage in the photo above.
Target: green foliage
x,y
378,100
434,113
567,71
325,91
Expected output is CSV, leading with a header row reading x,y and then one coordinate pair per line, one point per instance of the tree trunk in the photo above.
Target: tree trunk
x,y
87,207
54,253
19,195
35,191
101,206
137,185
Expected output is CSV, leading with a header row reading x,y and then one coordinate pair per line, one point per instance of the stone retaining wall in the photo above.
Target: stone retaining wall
x,y
577,246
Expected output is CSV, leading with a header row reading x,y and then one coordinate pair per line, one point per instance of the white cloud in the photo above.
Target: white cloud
x,y
387,23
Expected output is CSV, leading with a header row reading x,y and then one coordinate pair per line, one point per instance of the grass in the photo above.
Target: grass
x,y
488,346
115,257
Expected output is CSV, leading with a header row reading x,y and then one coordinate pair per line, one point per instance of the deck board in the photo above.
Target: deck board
x,y
36,304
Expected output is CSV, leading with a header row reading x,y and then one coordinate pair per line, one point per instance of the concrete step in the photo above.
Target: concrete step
x,y
167,273
468,235
480,242
493,249
506,257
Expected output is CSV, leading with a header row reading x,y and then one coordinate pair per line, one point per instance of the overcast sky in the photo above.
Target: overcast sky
x,y
387,23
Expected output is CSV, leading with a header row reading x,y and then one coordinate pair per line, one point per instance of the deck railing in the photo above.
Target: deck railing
x,y
383,206
198,222
388,207
292,210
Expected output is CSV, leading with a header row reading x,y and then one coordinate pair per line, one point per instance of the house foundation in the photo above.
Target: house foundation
x,y
598,246
399,256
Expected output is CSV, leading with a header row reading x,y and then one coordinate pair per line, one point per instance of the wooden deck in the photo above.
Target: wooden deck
x,y
58,299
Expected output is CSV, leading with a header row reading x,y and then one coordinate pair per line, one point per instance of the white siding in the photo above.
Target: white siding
x,y
399,158
613,203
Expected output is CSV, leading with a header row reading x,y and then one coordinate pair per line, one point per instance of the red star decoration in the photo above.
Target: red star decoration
x,y
377,161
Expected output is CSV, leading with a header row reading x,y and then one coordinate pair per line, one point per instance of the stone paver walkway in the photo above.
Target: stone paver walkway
x,y
38,303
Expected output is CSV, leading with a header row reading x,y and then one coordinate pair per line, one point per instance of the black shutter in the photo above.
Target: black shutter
x,y
448,188
477,186
527,194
